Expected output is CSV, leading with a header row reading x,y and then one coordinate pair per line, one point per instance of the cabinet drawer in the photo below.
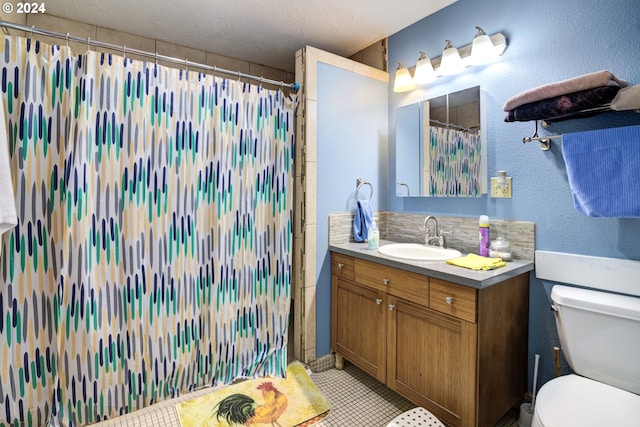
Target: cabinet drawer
x,y
404,284
342,266
450,298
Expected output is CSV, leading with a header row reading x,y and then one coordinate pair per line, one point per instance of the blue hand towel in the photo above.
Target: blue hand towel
x,y
603,167
362,220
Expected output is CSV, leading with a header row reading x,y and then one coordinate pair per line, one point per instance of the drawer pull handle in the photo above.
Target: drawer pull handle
x,y
385,281
378,301
391,307
340,265
448,300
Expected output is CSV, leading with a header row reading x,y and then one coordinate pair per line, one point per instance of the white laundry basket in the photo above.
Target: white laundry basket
x,y
416,417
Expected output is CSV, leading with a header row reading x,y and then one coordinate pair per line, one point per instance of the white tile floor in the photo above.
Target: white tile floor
x,y
357,400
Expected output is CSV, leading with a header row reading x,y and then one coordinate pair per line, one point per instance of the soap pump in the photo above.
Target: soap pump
x,y
373,236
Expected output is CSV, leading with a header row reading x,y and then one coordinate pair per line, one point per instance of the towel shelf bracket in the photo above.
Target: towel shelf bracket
x,y
545,141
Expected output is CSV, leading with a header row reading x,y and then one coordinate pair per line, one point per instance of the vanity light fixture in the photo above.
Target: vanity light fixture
x,y
403,80
482,49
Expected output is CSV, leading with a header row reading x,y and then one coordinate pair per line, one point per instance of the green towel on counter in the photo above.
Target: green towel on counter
x,y
477,262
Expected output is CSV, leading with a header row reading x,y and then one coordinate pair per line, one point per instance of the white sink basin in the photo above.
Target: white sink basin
x,y
418,252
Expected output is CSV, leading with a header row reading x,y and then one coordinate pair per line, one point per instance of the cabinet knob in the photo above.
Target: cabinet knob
x,y
340,265
378,301
391,307
448,300
385,281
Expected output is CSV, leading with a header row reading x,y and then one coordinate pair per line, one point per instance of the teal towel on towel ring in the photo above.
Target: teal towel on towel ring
x,y
362,220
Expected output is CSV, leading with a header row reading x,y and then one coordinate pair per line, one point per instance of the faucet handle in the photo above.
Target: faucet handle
x,y
441,240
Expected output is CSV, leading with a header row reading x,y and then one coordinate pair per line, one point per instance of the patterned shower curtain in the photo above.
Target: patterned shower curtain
x,y
152,254
453,157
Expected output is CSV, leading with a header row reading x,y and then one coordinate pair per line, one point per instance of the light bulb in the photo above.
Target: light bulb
x,y
424,70
482,48
403,80
451,62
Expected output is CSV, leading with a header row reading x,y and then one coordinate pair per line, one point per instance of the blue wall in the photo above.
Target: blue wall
x,y
547,41
352,143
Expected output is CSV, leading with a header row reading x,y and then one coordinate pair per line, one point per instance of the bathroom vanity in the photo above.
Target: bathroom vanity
x,y
451,340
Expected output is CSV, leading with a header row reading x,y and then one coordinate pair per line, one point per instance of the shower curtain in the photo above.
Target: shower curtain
x,y
454,163
152,254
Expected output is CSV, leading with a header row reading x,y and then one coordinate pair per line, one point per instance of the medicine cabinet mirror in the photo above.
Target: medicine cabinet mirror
x,y
441,147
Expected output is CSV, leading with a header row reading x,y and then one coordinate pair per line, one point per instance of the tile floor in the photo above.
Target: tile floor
x,y
359,400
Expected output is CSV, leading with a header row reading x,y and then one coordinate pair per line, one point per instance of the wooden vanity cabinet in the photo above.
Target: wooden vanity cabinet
x,y
358,325
459,352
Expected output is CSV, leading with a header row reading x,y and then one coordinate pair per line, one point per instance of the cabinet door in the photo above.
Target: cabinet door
x,y
431,361
358,325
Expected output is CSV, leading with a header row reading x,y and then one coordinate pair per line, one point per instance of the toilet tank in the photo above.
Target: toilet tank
x,y
600,335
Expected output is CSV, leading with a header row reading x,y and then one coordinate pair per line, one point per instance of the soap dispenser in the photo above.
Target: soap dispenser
x,y
373,236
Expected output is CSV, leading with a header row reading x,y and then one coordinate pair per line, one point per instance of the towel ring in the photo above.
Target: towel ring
x,y
361,183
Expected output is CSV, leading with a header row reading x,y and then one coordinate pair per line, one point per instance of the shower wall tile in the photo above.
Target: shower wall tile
x,y
267,72
309,320
228,63
61,25
108,35
310,146
126,39
180,52
297,283
16,18
374,55
311,180
298,161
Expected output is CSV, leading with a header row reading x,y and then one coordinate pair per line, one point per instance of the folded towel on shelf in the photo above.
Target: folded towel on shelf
x,y
627,98
603,167
564,105
362,220
8,217
575,84
477,262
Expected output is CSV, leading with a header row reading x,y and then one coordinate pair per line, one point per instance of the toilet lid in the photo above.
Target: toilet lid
x,y
572,400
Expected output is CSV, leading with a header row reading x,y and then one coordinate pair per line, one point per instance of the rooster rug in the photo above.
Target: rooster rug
x,y
293,401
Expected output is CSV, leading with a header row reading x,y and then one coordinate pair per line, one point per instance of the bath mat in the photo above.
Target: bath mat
x,y
293,401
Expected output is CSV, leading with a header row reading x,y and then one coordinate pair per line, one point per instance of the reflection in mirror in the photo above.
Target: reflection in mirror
x,y
439,150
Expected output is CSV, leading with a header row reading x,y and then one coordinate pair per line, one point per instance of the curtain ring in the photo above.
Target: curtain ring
x,y
67,39
156,58
124,51
88,44
32,27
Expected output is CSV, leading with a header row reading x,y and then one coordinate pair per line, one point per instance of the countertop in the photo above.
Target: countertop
x,y
438,269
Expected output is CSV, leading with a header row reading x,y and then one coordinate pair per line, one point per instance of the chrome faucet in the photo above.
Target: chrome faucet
x,y
437,238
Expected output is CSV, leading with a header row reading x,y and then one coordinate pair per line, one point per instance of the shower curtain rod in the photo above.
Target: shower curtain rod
x,y
34,30
448,125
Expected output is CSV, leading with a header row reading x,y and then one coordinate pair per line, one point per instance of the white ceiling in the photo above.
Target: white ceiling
x,y
267,32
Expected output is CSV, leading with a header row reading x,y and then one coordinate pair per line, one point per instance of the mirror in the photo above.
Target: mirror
x,y
440,149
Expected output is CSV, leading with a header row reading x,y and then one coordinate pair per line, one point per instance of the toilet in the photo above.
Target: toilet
x,y
600,338
416,417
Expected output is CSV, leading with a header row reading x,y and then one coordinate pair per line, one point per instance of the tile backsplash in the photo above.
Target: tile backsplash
x,y
405,228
